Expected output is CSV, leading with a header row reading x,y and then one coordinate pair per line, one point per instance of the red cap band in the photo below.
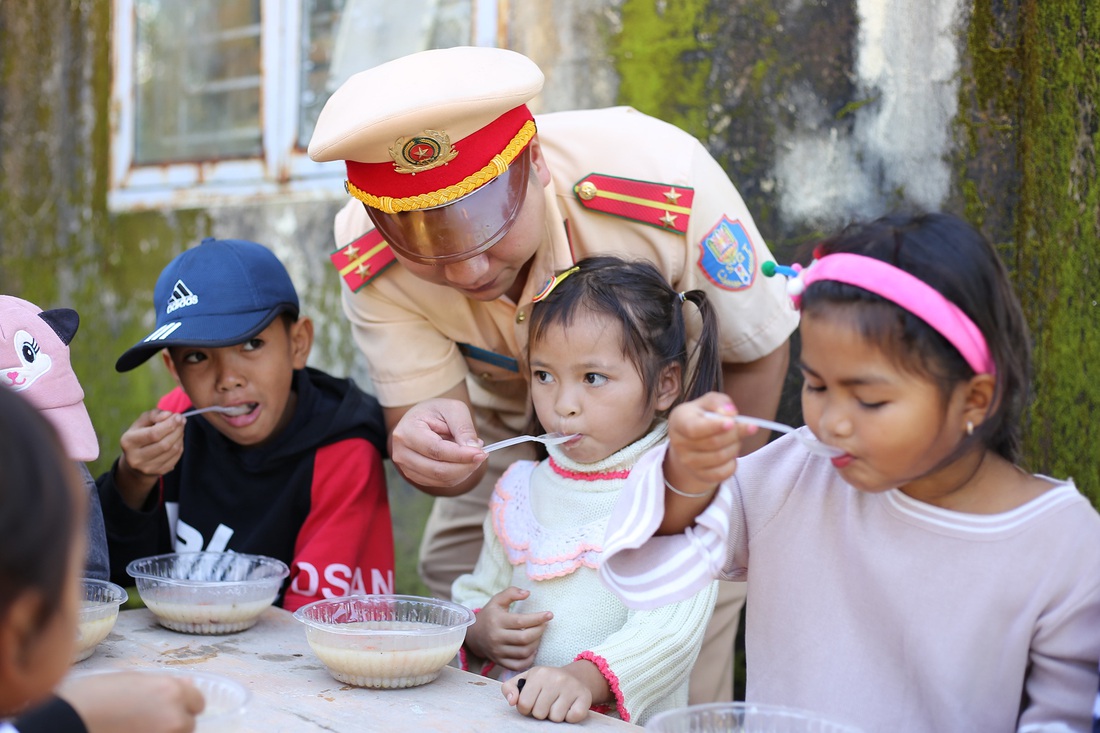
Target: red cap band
x,y
430,170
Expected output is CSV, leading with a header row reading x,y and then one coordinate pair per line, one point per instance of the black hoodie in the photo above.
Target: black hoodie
x,y
313,497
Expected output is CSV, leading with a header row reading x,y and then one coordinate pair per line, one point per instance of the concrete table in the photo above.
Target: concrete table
x,y
293,691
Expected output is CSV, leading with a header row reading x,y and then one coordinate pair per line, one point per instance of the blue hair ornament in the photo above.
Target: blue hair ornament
x,y
795,286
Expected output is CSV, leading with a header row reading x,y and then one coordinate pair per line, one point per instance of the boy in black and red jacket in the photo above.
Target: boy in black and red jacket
x,y
290,464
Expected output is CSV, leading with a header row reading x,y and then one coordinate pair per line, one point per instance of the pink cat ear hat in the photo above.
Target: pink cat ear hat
x,y
34,360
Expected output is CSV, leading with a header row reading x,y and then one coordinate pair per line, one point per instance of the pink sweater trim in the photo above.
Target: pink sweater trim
x,y
583,555
612,682
578,476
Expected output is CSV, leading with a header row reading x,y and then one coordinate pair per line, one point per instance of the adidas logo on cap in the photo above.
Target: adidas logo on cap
x,y
181,297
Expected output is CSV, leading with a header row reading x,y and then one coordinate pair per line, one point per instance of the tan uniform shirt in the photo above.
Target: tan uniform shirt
x,y
410,330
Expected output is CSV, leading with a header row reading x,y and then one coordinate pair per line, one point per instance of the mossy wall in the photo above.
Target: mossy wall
x,y
1057,231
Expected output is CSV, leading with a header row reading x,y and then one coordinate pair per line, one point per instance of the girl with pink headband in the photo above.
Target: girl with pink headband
x,y
920,580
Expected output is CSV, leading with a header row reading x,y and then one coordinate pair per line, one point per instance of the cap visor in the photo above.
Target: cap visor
x,y
208,331
74,428
462,228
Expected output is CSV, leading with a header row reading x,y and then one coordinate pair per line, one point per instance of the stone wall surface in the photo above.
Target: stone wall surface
x,y
821,110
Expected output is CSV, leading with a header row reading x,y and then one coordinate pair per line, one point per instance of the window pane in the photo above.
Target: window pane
x,y
197,74
342,37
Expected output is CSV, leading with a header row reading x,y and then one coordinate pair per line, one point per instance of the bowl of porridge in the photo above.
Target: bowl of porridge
x,y
98,612
208,592
385,641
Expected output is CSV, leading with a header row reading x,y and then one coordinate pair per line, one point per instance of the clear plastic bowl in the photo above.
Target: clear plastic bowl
x,y
226,702
225,699
742,717
208,592
98,613
385,641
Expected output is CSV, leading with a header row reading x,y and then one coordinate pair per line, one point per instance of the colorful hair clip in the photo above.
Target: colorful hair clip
x,y
552,283
793,274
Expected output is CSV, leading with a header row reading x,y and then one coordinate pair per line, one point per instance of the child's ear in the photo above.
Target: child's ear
x,y
301,341
20,628
164,354
979,398
668,387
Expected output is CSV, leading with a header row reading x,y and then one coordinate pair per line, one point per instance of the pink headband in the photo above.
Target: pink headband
x,y
897,286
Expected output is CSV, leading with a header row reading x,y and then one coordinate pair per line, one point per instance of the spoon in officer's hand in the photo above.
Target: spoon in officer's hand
x,y
545,439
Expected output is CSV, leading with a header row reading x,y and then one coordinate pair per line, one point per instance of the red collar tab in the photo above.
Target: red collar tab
x,y
363,260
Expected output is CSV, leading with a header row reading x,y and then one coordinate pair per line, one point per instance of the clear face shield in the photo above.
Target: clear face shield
x,y
462,228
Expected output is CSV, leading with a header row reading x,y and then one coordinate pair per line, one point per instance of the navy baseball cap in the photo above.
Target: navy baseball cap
x,y
220,293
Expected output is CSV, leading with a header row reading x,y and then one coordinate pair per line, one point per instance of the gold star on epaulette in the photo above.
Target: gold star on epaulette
x,y
672,195
363,270
351,252
668,220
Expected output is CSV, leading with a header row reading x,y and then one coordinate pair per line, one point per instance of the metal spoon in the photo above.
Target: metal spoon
x,y
545,439
812,444
234,410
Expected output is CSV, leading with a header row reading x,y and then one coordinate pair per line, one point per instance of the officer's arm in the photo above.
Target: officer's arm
x,y
434,444
755,387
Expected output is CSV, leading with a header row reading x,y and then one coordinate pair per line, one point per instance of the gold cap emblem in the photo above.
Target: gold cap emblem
x,y
430,149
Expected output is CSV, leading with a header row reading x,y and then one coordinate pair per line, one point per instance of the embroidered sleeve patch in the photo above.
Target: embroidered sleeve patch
x,y
363,260
727,256
656,204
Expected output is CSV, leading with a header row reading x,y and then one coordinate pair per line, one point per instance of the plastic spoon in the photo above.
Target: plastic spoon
x,y
545,439
812,444
234,410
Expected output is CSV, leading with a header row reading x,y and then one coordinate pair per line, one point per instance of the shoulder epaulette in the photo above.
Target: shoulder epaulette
x,y
363,260
656,204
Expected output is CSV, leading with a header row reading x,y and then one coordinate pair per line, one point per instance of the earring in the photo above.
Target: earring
x,y
969,428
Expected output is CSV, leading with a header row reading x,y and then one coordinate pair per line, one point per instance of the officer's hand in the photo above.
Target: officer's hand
x,y
436,448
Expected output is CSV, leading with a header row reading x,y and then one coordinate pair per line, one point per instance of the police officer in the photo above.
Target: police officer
x,y
463,205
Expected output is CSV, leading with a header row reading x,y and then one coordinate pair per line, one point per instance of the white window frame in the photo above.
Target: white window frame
x,y
284,172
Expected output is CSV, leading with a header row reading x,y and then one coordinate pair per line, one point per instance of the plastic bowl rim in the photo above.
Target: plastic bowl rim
x,y
221,679
117,591
469,616
747,707
133,572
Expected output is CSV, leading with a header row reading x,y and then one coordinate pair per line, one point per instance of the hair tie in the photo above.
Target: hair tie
x,y
899,287
552,283
682,295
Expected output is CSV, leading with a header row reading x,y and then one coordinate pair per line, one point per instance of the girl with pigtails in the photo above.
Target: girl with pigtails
x,y
608,358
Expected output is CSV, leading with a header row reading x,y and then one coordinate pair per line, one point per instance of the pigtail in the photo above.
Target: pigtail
x,y
704,364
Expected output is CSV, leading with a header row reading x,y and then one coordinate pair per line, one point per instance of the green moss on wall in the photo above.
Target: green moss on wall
x,y
1027,174
662,56
1058,232
59,246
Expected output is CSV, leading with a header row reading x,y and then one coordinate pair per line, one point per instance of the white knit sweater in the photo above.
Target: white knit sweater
x,y
544,532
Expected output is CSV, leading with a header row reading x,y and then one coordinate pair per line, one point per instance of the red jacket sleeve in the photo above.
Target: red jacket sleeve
x,y
345,545
175,401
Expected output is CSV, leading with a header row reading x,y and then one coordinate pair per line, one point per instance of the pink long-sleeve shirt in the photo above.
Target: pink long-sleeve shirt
x,y
878,610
